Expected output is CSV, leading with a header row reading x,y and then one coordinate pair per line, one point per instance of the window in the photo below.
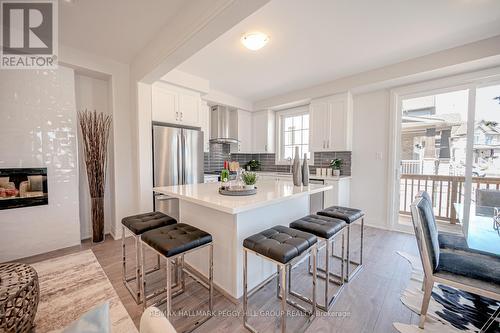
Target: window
x,y
293,130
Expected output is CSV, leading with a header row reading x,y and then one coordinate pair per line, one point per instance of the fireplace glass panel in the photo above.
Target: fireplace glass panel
x,y
23,187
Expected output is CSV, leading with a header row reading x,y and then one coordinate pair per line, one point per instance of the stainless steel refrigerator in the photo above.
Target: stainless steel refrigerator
x,y
177,160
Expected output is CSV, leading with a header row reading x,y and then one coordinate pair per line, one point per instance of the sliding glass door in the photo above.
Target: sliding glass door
x,y
450,147
481,226
433,152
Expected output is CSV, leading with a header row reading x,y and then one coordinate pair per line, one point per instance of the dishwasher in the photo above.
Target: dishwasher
x,y
316,200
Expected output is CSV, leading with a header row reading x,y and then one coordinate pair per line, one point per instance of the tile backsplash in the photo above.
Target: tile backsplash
x,y
322,160
214,161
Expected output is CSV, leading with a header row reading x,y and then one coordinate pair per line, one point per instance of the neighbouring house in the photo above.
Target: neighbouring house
x,y
486,145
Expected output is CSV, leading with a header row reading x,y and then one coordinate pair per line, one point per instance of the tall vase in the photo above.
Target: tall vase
x,y
305,171
296,170
97,219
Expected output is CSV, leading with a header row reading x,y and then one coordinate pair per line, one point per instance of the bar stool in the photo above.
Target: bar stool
x,y
326,229
350,216
136,225
284,247
172,242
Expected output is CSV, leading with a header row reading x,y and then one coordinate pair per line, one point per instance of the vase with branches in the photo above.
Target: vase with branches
x,y
95,127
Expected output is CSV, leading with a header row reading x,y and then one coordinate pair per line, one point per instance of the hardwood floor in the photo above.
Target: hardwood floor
x,y
369,303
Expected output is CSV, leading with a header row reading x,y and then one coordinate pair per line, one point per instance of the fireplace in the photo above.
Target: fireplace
x,y
23,187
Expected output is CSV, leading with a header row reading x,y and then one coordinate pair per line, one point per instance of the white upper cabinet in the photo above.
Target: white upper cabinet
x,y
319,121
341,123
164,104
205,125
189,108
244,131
331,123
175,105
263,129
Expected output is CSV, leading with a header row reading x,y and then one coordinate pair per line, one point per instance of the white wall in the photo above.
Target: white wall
x,y
38,129
369,156
123,184
144,146
93,94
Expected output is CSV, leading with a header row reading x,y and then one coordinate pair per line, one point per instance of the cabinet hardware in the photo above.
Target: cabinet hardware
x,y
177,115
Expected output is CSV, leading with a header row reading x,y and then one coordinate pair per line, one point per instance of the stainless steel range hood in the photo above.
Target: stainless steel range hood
x,y
223,124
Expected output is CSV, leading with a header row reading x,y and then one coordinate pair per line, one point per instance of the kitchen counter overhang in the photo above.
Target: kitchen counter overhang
x,y
268,193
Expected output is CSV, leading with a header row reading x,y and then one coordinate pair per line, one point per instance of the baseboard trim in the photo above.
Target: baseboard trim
x,y
395,229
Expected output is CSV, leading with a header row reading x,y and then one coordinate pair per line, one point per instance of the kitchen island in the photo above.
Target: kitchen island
x,y
232,219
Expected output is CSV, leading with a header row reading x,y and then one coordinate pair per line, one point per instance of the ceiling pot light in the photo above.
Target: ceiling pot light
x,y
254,41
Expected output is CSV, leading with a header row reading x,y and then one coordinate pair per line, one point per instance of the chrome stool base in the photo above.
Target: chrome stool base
x,y
359,265
136,294
283,275
339,280
177,263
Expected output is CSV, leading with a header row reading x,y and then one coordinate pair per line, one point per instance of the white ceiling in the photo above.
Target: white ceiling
x,y
321,40
117,29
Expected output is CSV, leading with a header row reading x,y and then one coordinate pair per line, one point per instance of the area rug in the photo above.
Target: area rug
x,y
72,285
450,309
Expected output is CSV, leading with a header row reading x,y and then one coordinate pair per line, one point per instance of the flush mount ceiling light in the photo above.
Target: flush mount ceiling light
x,y
255,40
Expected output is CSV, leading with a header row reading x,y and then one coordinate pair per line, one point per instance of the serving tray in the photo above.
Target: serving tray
x,y
238,193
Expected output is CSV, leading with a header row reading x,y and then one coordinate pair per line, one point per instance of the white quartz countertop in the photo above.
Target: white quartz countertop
x,y
268,193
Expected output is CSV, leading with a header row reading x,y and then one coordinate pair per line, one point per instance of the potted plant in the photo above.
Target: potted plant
x,y
253,165
249,178
224,175
336,165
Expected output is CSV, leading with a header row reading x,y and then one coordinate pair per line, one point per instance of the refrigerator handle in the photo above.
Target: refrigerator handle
x,y
179,160
184,153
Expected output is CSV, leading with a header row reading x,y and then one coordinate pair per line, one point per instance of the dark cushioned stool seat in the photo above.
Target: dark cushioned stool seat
x,y
280,243
176,238
141,223
321,226
349,215
470,268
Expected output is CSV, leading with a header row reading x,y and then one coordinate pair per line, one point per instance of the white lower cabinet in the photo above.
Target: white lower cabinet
x,y
339,195
211,178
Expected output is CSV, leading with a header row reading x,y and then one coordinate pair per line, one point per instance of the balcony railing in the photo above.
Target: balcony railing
x,y
444,191
412,166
